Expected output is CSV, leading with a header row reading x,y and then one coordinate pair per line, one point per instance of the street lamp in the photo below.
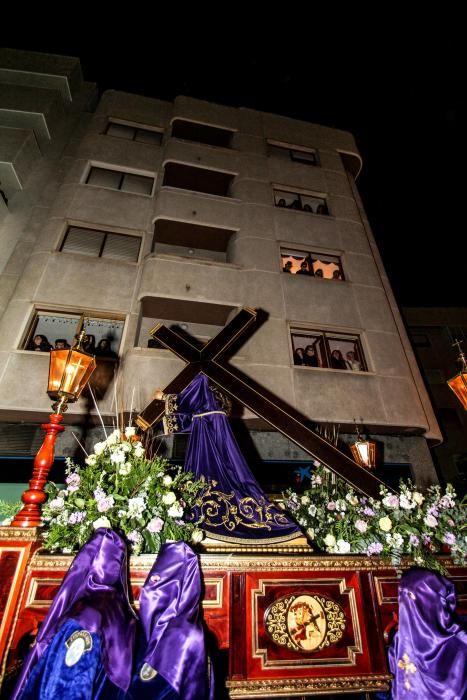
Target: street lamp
x,y
459,383
69,372
364,451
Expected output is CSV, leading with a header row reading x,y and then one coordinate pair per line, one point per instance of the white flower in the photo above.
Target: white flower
x,y
130,431
175,511
113,438
136,506
118,457
139,450
197,536
155,525
125,446
418,498
91,460
311,533
352,499
312,510
342,546
305,500
167,480
169,498
124,469
385,524
405,503
99,447
57,504
361,525
101,522
330,540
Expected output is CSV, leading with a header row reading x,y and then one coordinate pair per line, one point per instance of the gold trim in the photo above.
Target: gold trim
x,y
31,599
304,662
7,532
381,598
141,423
213,543
219,584
305,686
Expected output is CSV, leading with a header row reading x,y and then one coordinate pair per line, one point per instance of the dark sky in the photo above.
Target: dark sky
x,y
404,98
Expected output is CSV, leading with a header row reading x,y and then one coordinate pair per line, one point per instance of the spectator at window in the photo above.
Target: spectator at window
x,y
322,209
61,344
337,360
298,358
281,203
308,207
89,344
295,204
104,349
352,362
303,269
310,359
319,272
287,267
39,343
336,275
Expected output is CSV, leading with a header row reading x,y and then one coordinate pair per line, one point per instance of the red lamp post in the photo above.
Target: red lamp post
x,y
69,372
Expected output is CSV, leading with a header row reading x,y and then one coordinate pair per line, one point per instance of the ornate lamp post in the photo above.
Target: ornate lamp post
x,y
69,372
364,451
459,383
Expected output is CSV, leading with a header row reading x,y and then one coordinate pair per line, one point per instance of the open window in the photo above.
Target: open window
x,y
333,350
321,265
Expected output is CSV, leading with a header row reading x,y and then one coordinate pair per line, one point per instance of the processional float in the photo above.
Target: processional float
x,y
288,622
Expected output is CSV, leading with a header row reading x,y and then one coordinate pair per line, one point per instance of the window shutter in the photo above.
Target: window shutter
x,y
122,247
83,240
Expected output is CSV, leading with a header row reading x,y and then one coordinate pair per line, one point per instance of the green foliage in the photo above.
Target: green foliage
x,y
148,501
409,523
8,510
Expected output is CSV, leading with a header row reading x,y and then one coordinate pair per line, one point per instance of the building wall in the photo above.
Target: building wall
x,y
390,397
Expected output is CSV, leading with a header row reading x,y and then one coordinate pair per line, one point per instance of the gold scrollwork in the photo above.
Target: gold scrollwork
x,y
305,623
223,510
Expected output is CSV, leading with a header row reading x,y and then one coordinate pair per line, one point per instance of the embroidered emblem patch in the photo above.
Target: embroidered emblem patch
x,y
147,672
77,644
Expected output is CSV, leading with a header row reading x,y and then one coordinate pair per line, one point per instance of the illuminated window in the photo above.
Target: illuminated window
x,y
299,154
50,330
299,262
316,348
134,132
301,201
101,244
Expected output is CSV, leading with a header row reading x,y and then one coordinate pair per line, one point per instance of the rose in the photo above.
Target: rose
x,y
167,480
343,547
155,525
130,431
385,524
169,498
430,520
175,511
101,522
305,500
330,540
197,536
361,525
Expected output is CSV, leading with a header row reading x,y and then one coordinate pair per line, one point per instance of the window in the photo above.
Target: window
x,y
299,154
134,132
186,177
120,180
313,348
100,244
299,262
310,202
51,330
201,133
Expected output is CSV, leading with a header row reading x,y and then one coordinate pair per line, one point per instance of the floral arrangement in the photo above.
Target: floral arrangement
x,y
147,500
410,523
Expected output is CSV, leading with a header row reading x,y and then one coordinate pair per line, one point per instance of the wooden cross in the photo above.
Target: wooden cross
x,y
266,405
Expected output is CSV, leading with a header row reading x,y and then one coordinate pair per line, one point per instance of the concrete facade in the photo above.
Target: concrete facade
x,y
433,332
196,286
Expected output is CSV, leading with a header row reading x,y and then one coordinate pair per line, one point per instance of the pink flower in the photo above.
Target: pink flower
x,y
361,525
155,525
331,505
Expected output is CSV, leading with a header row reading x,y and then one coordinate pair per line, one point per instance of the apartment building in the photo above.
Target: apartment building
x,y
183,212
433,332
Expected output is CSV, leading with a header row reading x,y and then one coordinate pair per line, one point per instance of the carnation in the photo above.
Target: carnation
x,y
101,522
361,525
385,524
155,525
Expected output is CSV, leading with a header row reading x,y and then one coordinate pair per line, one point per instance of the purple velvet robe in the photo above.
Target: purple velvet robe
x,y
428,656
234,507
170,615
94,593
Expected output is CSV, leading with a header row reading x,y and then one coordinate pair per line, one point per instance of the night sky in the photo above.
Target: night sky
x,y
404,99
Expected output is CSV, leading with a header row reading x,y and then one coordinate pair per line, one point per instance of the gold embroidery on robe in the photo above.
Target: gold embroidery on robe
x,y
406,665
218,510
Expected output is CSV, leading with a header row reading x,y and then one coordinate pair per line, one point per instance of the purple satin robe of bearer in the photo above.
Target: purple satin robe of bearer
x,y
94,593
428,656
235,507
170,614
